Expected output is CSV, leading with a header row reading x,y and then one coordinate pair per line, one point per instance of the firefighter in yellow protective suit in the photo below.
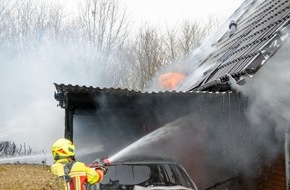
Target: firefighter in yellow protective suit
x,y
74,173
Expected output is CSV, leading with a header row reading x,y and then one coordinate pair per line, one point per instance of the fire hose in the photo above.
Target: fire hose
x,y
100,163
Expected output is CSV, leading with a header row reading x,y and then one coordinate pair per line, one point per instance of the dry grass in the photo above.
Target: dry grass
x,y
28,177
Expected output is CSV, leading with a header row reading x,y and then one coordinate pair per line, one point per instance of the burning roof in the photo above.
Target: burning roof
x,y
169,81
249,38
244,44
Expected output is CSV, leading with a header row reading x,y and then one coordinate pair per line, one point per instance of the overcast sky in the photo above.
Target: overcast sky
x,y
166,13
160,12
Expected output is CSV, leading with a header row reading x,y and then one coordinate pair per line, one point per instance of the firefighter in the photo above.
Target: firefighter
x,y
74,173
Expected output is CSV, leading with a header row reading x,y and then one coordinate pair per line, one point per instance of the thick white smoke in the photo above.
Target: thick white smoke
x,y
40,47
269,96
28,109
191,65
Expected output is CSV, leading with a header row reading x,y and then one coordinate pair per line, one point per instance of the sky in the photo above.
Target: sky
x,y
37,89
167,13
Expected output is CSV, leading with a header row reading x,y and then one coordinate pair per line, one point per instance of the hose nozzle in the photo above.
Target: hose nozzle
x,y
105,161
101,162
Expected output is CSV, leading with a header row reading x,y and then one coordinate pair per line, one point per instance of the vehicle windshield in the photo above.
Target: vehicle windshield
x,y
145,175
127,174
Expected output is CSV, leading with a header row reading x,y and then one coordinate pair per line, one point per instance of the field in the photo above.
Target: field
x,y
28,177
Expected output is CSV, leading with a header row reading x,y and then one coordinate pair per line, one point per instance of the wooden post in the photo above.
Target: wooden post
x,y
68,133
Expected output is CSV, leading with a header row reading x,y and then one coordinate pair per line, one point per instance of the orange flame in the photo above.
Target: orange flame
x,y
169,81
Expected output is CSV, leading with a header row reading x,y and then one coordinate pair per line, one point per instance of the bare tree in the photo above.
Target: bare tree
x,y
149,54
104,30
129,69
5,12
191,37
96,39
170,41
177,45
182,40
151,51
9,148
28,25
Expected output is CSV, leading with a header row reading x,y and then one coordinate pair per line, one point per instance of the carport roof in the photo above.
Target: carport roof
x,y
84,97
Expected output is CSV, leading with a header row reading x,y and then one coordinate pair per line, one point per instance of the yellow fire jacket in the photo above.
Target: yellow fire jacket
x,y
79,173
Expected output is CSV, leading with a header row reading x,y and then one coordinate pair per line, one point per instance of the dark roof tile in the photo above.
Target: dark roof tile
x,y
248,48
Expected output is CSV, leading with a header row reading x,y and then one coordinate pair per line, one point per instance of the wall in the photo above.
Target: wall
x,y
273,176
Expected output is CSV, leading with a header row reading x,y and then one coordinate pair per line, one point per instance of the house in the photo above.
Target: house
x,y
211,126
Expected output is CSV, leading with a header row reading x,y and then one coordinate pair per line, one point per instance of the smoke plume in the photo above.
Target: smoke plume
x,y
269,98
29,68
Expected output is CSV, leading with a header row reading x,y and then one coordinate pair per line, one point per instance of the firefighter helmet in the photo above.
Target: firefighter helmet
x,y
63,148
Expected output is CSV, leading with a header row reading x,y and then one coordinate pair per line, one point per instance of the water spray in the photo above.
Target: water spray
x,y
33,159
147,139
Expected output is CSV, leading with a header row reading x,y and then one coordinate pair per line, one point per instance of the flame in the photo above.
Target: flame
x,y
169,81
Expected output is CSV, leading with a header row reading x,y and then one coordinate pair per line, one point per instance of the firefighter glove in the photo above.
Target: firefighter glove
x,y
104,169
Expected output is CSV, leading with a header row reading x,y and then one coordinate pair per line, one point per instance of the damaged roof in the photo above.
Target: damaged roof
x,y
83,97
251,36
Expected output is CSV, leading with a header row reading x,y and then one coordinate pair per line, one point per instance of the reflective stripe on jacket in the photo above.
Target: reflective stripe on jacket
x,y
79,173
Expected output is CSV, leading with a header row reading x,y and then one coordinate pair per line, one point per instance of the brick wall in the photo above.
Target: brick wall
x,y
273,176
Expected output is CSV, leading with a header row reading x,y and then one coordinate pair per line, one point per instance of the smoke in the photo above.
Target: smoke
x,y
232,133
28,110
191,65
29,113
27,105
29,68
268,93
211,143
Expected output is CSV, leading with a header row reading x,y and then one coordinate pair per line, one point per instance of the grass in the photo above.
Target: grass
x,y
28,177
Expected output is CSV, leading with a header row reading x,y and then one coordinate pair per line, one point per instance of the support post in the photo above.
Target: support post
x,y
68,133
